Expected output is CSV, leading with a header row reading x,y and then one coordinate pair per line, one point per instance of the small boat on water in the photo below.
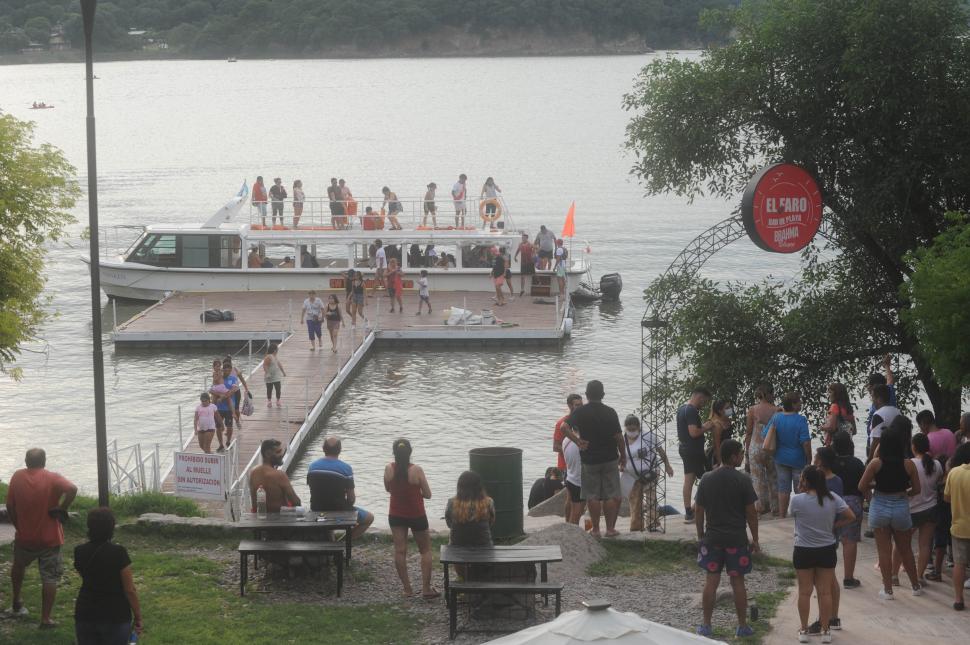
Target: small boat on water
x,y
231,59
41,106
317,253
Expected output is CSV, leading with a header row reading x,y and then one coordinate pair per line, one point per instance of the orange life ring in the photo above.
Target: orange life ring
x,y
494,216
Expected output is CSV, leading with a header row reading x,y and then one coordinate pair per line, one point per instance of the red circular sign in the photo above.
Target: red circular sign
x,y
782,208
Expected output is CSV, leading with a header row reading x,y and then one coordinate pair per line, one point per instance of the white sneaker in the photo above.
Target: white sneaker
x,y
18,613
885,596
803,635
917,591
966,584
826,637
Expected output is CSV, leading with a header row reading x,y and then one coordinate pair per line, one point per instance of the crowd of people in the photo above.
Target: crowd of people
x,y
913,486
343,206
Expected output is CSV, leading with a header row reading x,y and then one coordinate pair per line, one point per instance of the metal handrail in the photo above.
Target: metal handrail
x,y
316,212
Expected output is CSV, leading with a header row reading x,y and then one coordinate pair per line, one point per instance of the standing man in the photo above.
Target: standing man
x,y
37,502
957,494
690,436
595,428
336,196
277,194
331,461
573,403
942,441
528,262
885,412
875,380
546,240
274,481
726,502
259,198
458,195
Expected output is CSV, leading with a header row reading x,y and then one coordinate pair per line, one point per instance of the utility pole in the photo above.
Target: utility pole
x,y
100,425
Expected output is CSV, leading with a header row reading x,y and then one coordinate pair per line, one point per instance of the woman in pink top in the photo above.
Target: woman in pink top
x,y
409,488
206,421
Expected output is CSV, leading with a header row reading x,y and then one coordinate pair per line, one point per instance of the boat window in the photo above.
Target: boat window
x,y
431,256
476,256
195,251
230,254
156,250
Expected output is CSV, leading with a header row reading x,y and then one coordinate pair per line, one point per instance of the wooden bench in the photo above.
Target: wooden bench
x,y
333,550
545,589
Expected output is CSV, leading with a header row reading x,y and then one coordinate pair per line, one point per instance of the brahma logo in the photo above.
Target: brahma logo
x,y
782,208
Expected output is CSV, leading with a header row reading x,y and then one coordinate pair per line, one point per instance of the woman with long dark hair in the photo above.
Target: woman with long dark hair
x,y
107,609
470,513
840,416
760,462
922,507
895,479
816,512
722,418
409,488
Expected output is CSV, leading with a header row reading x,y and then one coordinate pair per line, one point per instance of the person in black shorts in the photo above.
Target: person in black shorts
x,y
690,435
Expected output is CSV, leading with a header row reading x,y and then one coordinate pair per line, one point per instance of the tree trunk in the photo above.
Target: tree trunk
x,y
945,401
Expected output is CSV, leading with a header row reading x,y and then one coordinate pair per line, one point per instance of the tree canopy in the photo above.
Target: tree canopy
x,y
868,95
302,27
939,294
36,192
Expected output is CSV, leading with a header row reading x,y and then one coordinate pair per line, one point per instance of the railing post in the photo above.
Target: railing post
x,y
289,308
156,473
114,312
181,441
140,484
555,322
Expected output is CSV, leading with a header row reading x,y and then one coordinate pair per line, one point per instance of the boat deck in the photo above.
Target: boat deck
x,y
275,315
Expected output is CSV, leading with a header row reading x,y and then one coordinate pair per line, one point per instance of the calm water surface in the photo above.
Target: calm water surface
x,y
176,139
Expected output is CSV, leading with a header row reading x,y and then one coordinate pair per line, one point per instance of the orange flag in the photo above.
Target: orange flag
x,y
569,228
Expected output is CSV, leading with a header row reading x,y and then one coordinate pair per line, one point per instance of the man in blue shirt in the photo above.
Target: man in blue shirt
x,y
331,461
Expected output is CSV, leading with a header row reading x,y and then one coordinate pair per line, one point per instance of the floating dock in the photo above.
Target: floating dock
x,y
313,378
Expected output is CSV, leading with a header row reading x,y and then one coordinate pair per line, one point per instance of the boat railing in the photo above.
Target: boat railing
x,y
315,213
117,240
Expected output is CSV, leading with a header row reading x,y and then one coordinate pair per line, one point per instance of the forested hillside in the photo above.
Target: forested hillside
x,y
308,27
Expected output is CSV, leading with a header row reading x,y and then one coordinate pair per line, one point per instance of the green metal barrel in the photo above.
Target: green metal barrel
x,y
501,473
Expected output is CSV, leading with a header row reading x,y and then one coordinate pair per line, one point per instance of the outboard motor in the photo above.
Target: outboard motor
x,y
610,286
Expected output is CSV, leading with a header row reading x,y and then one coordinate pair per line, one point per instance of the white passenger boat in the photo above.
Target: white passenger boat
x,y
317,253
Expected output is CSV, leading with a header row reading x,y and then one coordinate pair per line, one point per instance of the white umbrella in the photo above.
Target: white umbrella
x,y
598,623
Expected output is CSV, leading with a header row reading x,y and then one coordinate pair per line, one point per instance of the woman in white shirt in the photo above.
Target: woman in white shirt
x,y
312,314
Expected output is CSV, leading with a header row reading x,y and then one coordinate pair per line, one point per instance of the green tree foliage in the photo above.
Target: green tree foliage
x,y
38,30
870,96
36,193
939,293
307,26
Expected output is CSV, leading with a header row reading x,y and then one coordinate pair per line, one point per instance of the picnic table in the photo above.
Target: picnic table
x,y
460,555
308,522
498,555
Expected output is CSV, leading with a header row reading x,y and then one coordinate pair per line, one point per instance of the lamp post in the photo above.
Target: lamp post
x,y
101,435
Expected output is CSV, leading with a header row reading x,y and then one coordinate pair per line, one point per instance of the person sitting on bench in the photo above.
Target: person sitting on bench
x,y
331,462
277,485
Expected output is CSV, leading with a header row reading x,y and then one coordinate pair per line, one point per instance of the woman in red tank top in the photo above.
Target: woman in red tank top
x,y
409,488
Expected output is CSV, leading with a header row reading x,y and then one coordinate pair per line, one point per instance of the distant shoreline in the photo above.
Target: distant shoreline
x,y
445,44
75,56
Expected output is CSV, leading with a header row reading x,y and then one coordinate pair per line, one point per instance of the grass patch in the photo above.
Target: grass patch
x,y
630,558
182,592
184,600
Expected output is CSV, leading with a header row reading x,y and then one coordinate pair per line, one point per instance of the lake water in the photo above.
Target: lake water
x,y
177,138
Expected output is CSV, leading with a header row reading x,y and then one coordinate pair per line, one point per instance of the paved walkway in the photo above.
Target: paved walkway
x,y
865,618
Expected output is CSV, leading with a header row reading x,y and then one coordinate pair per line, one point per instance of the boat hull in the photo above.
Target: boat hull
x,y
141,282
